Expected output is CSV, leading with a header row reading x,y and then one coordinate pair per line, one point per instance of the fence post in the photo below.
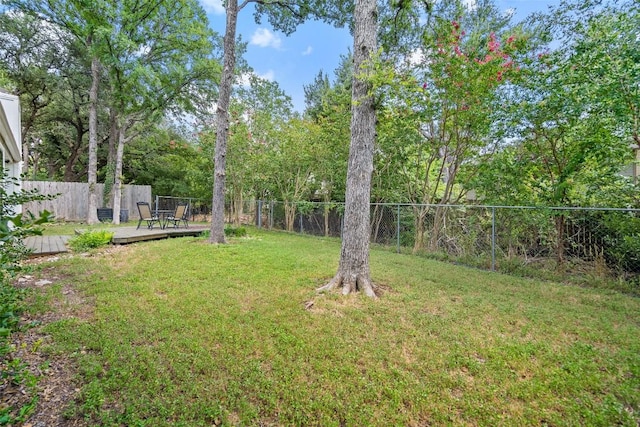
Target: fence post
x,y
157,202
259,214
398,230
271,215
301,225
493,238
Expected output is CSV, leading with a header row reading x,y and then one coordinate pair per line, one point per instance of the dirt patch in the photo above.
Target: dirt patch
x,y
56,374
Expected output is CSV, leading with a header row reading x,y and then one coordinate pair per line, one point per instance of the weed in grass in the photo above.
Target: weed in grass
x,y
235,231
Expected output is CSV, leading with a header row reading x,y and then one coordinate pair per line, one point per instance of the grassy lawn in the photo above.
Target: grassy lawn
x,y
69,228
183,333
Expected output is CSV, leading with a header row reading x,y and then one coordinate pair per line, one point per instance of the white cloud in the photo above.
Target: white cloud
x,y
416,57
265,38
213,6
510,12
269,76
307,51
245,79
143,50
470,4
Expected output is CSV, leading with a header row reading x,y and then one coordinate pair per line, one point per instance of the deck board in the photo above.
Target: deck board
x,y
47,245
50,245
125,235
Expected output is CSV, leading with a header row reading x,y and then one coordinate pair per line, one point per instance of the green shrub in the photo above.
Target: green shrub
x,y
90,240
235,231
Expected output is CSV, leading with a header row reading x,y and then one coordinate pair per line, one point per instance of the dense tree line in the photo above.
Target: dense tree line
x,y
94,76
540,112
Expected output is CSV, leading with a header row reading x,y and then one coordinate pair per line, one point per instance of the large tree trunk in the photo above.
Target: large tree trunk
x,y
109,178
92,173
117,174
419,214
289,214
222,130
353,273
437,230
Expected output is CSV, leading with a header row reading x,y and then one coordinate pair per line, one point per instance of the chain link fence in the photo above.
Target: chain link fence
x,y
587,245
198,209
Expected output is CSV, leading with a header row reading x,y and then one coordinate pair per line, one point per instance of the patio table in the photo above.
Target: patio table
x,y
162,215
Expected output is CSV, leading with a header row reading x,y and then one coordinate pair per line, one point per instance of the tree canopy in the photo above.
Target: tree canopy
x,y
468,102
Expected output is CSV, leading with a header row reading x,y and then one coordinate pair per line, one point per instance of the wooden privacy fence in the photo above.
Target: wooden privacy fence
x,y
71,204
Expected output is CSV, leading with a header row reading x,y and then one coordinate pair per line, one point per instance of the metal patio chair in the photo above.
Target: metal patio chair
x,y
144,209
179,215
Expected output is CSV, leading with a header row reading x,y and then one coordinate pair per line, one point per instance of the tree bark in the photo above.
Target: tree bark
x,y
419,214
92,173
117,174
25,155
109,178
222,130
75,150
353,272
289,215
327,211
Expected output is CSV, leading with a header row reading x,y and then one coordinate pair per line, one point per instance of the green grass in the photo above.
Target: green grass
x,y
69,228
185,333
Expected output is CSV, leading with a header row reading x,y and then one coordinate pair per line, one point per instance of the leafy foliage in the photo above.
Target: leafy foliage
x,y
90,240
13,229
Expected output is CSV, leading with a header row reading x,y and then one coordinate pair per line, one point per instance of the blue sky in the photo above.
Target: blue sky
x,y
294,61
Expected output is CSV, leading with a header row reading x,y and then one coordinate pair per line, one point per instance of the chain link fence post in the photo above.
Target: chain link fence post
x,y
270,214
301,224
398,229
259,214
493,238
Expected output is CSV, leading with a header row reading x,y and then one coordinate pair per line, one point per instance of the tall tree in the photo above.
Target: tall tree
x,y
314,94
88,25
259,116
444,102
222,122
575,114
158,55
284,17
292,165
28,49
329,106
48,69
353,272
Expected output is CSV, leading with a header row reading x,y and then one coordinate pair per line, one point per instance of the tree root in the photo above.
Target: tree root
x,y
350,284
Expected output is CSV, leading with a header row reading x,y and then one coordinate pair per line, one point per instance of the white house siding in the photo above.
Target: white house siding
x,y
10,136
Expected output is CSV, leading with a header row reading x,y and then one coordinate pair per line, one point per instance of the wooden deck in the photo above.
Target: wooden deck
x,y
47,245
124,235
50,245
